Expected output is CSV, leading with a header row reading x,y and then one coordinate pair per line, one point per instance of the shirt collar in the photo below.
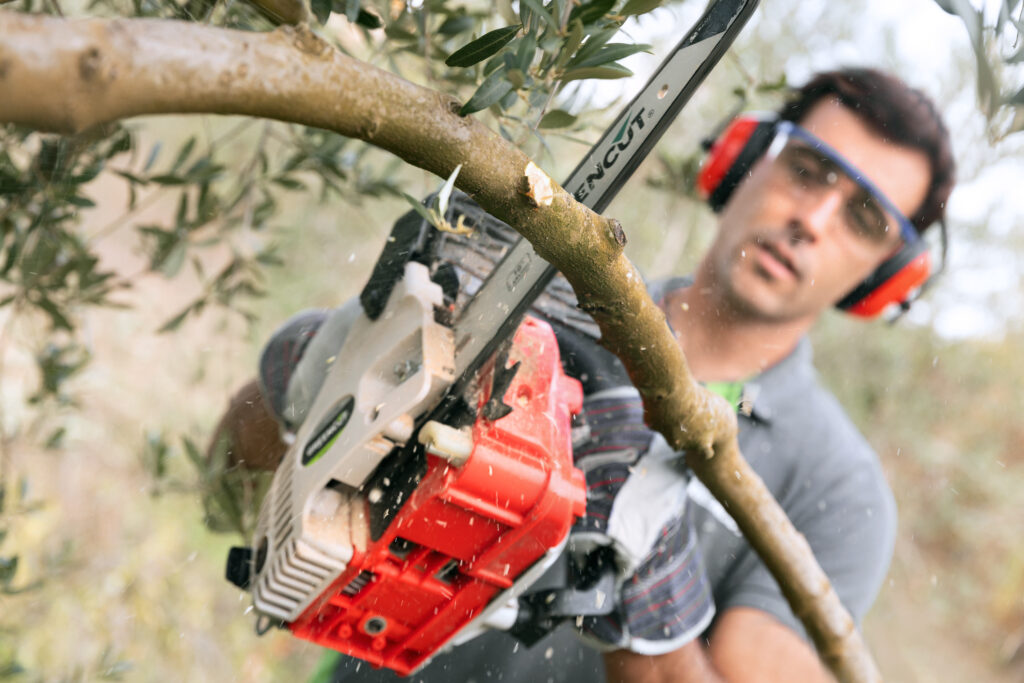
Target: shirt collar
x,y
763,393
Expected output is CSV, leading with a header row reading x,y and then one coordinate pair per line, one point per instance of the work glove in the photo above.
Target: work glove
x,y
637,511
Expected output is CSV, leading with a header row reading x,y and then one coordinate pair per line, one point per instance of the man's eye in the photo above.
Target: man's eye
x,y
806,169
867,219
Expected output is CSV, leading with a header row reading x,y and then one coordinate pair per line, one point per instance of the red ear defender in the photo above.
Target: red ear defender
x,y
731,155
893,282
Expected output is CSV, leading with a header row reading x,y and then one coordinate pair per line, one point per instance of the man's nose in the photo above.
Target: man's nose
x,y
818,212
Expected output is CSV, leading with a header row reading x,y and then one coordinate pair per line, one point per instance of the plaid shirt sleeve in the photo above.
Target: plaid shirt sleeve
x,y
665,600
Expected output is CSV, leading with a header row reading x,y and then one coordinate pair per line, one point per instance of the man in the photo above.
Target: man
x,y
818,207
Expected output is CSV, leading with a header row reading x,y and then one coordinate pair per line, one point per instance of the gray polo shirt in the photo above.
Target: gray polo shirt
x,y
815,463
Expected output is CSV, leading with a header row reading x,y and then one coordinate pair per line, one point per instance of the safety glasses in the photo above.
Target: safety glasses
x,y
809,169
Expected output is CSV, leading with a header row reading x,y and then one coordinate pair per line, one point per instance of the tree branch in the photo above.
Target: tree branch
x,y
68,75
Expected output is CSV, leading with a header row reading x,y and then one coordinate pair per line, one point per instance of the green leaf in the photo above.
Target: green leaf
x,y
611,53
483,47
151,159
634,7
56,316
572,43
423,211
175,258
545,13
557,118
89,173
398,33
122,143
493,63
183,154
524,55
490,91
131,178
269,257
8,566
203,170
516,77
609,71
509,100
168,179
590,12
289,183
456,24
79,200
56,439
594,43
182,213
175,322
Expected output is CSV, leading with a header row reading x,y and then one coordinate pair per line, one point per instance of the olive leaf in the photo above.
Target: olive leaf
x,y
608,71
543,12
483,47
557,118
456,24
490,91
594,43
590,12
634,7
611,53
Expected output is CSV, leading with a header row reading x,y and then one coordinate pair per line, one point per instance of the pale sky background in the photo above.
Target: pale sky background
x,y
980,294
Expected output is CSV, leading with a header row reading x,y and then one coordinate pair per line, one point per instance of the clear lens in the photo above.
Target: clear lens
x,y
810,170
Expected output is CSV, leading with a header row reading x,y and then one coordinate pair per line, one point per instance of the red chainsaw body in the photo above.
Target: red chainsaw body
x,y
467,532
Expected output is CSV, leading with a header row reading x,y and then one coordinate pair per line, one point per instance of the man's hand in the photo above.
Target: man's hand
x,y
637,507
746,645
247,433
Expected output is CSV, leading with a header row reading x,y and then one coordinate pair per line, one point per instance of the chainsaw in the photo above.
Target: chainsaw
x,y
430,482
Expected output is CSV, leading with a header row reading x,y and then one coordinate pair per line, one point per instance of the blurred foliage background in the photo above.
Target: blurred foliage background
x,y
143,265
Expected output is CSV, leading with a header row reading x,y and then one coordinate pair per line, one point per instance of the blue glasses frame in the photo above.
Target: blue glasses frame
x,y
789,129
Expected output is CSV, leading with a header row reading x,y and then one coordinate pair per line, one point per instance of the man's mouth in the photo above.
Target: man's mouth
x,y
777,259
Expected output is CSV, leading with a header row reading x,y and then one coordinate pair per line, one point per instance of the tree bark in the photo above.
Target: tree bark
x,y
69,75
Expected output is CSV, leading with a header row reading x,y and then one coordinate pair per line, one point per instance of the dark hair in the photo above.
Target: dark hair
x,y
903,115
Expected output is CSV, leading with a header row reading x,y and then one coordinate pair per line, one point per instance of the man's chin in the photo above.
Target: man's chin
x,y
765,300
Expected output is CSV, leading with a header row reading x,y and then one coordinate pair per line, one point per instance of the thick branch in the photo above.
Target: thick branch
x,y
70,75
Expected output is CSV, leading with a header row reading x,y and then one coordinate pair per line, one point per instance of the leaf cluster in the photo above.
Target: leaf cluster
x,y
546,46
287,160
45,265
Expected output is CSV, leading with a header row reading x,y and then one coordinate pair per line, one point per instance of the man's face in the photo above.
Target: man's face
x,y
784,253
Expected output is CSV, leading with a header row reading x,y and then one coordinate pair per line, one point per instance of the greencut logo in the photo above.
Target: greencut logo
x,y
328,431
611,155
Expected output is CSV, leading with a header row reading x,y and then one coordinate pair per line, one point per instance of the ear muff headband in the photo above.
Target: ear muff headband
x,y
731,156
